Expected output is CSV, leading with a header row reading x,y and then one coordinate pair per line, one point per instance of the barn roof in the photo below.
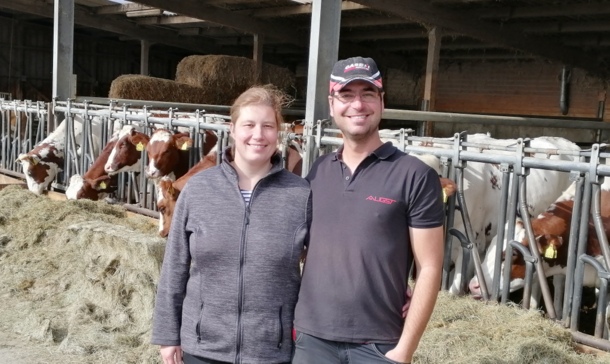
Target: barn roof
x,y
573,32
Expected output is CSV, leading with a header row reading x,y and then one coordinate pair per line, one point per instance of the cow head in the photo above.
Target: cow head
x,y
167,195
18,122
164,152
127,151
90,189
551,230
41,165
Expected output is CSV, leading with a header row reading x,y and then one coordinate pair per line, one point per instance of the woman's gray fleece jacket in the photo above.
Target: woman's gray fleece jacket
x,y
230,276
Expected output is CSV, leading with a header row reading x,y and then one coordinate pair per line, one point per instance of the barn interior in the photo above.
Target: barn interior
x,y
518,69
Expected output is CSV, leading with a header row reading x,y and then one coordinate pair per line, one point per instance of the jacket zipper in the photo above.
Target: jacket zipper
x,y
240,298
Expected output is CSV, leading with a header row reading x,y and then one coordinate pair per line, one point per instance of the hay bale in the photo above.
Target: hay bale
x,y
229,76
79,275
138,87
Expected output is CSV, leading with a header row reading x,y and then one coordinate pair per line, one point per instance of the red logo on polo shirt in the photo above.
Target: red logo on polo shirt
x,y
385,200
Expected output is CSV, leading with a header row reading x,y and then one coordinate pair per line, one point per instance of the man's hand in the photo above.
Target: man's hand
x,y
397,356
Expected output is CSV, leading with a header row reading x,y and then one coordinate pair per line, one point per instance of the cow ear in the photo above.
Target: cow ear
x,y
101,183
22,158
548,246
75,179
184,142
550,252
32,159
140,141
167,186
449,187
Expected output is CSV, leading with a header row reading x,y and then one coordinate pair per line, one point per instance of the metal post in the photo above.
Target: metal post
x,y
144,55
63,48
323,53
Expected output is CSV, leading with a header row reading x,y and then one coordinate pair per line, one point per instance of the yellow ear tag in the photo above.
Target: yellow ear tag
x,y
139,147
103,185
185,146
550,252
171,190
444,196
34,161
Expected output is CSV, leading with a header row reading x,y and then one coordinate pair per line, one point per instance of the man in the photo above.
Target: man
x,y
376,211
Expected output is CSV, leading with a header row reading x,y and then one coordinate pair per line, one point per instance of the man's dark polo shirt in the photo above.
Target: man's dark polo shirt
x,y
359,254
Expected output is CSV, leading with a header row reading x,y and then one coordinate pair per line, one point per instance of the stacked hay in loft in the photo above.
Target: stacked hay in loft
x,y
229,76
138,87
79,276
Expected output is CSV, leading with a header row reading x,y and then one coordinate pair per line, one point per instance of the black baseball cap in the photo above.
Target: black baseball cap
x,y
355,68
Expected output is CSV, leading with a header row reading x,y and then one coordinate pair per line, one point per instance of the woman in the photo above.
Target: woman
x,y
230,276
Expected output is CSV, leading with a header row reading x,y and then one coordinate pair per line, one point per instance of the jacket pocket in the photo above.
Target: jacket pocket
x,y
199,323
280,334
381,349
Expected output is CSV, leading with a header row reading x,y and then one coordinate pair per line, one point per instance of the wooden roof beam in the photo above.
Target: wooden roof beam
x,y
563,27
582,9
372,20
212,32
231,19
171,20
463,23
297,10
360,35
84,18
120,8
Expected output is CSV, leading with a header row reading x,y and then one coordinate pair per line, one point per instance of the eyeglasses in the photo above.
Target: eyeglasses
x,y
349,97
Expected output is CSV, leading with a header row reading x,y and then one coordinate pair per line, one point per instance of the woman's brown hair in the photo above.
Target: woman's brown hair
x,y
267,95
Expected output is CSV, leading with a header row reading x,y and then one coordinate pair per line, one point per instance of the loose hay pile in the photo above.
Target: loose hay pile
x,y
229,76
465,331
138,87
80,276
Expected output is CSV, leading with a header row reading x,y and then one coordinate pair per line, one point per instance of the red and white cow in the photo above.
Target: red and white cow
x,y
95,183
552,231
18,122
41,164
121,154
168,160
168,154
483,188
126,154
